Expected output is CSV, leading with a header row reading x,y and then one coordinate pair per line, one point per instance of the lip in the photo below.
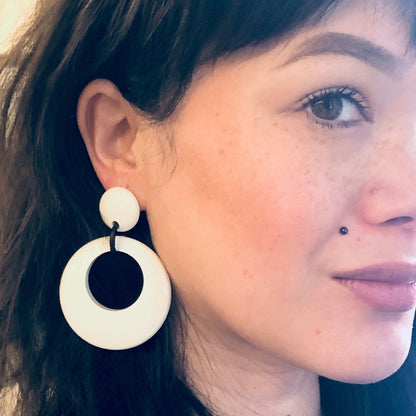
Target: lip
x,y
387,287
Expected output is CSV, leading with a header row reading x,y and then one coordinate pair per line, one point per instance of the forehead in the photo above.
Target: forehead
x,y
374,31
377,32
389,22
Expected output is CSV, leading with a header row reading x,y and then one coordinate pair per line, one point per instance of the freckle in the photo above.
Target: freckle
x,y
245,272
221,151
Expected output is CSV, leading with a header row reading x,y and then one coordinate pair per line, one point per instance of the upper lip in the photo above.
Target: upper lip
x,y
392,273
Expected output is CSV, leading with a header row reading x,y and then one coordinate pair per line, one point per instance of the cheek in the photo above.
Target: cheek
x,y
245,204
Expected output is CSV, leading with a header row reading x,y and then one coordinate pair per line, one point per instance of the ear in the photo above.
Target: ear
x,y
108,124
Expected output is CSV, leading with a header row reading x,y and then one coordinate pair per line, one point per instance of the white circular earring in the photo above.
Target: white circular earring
x,y
115,329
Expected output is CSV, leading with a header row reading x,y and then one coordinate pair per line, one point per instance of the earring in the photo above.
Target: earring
x,y
115,329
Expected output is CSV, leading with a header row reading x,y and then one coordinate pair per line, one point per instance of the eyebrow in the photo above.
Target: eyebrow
x,y
349,45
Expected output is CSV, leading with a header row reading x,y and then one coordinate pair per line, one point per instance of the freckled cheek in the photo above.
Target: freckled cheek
x,y
270,212
262,185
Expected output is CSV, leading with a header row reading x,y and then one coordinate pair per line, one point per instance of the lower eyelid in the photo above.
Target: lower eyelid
x,y
333,125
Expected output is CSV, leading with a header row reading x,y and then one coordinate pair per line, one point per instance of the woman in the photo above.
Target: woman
x,y
272,149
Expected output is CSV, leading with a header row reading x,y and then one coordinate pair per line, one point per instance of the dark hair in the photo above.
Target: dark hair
x,y
49,196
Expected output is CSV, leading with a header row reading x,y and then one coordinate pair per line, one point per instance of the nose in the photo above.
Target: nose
x,y
390,193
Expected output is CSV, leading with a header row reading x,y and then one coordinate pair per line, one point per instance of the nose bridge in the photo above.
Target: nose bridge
x,y
391,189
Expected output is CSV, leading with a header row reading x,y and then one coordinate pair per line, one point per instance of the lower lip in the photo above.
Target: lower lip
x,y
382,296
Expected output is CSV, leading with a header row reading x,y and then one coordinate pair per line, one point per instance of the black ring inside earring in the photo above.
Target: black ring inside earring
x,y
343,230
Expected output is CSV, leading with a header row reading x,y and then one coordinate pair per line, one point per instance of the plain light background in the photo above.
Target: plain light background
x,y
12,15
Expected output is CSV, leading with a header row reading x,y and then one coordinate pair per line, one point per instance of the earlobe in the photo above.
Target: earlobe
x,y
108,124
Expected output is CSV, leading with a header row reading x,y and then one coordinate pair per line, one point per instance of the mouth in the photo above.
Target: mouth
x,y
388,287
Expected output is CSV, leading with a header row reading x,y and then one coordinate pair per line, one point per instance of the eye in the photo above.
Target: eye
x,y
336,107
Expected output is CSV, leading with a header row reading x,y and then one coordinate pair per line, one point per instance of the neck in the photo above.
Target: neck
x,y
231,382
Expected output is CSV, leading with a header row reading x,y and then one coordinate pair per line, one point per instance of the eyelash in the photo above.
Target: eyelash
x,y
343,92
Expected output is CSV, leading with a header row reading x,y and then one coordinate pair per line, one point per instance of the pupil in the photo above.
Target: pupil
x,y
328,108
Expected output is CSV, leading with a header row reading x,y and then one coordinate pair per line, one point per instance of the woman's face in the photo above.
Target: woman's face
x,y
273,152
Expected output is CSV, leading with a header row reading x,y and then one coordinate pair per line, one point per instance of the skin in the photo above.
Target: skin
x,y
245,191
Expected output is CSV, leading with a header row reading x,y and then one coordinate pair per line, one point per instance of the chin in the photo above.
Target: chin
x,y
376,354
372,371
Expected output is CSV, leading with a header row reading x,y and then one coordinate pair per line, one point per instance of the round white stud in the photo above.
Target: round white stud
x,y
120,205
108,328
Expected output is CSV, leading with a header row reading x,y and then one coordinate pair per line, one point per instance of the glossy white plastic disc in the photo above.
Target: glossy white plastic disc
x,y
108,328
120,205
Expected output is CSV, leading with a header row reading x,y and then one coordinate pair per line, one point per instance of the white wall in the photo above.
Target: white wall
x,y
12,13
